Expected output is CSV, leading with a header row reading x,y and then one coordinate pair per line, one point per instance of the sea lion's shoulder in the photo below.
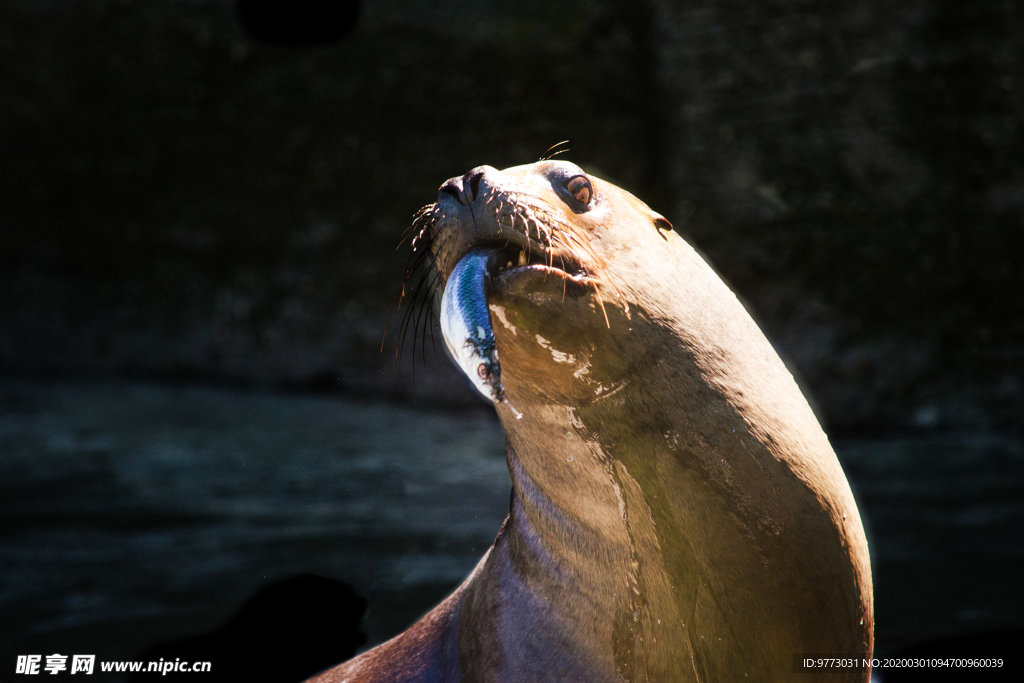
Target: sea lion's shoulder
x,y
422,654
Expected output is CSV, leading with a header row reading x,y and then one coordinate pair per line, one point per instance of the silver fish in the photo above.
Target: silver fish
x,y
466,324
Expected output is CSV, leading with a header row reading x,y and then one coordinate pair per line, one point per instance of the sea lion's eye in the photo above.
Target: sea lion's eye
x,y
580,188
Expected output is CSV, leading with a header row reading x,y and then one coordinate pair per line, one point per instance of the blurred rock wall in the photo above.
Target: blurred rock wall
x,y
183,202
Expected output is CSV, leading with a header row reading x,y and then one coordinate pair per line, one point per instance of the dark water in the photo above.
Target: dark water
x,y
132,514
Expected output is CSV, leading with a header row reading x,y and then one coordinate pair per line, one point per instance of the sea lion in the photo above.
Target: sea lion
x,y
677,512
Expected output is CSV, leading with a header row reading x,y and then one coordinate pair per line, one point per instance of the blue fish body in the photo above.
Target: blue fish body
x,y
466,324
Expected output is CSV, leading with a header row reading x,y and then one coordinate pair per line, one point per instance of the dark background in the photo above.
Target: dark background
x,y
199,208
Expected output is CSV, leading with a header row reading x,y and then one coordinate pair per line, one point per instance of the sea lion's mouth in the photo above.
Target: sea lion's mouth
x,y
507,261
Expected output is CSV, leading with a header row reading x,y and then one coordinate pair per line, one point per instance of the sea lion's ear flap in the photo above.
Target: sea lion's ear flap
x,y
663,225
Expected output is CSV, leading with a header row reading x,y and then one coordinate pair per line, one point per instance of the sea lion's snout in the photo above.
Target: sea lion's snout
x,y
464,189
530,214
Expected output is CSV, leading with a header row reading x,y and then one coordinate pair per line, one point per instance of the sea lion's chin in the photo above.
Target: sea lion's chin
x,y
552,337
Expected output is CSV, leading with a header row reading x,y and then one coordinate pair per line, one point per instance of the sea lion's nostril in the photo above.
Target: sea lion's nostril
x,y
453,187
465,189
453,192
471,183
474,185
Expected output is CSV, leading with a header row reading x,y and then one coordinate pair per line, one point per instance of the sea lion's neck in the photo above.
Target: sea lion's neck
x,y
574,564
576,531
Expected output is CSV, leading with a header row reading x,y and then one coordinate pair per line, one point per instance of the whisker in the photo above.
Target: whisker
x,y
597,292
565,281
412,313
548,152
433,308
424,312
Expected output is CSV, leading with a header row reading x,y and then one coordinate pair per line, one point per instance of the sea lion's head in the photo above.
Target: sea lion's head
x,y
565,249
